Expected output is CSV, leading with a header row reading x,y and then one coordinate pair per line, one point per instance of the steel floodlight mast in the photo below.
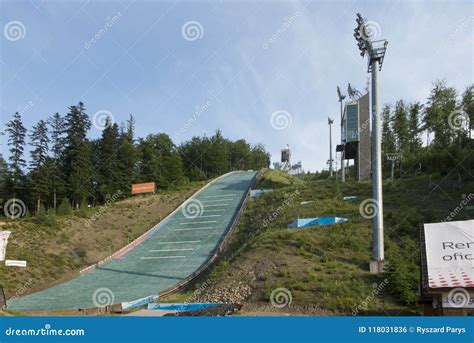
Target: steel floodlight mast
x,y
341,101
330,121
375,51
353,93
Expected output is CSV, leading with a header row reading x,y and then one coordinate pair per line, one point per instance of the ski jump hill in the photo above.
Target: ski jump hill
x,y
162,260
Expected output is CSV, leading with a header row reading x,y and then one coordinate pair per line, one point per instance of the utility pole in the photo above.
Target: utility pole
x,y
330,121
375,51
341,101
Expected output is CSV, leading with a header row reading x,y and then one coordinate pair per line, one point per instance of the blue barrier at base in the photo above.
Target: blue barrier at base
x,y
129,305
180,307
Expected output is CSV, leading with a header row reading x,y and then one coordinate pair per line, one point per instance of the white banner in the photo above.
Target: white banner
x,y
15,263
450,254
3,243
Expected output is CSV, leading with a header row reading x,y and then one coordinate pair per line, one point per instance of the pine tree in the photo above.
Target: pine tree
x,y
57,125
191,153
96,162
168,161
77,160
441,103
240,154
467,104
108,165
3,178
147,167
64,207
400,126
172,174
127,157
160,161
388,139
16,140
414,128
40,163
216,155
259,158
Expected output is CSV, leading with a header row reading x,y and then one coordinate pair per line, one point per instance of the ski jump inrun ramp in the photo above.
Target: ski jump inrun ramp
x,y
162,258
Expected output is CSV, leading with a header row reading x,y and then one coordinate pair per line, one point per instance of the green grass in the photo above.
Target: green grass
x,y
277,179
328,266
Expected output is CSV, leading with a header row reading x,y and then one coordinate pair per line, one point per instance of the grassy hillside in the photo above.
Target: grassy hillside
x,y
326,268
276,179
57,247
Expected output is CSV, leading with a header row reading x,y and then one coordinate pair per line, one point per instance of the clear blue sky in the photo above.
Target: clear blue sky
x,y
250,59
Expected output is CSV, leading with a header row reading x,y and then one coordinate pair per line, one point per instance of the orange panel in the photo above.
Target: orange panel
x,y
140,188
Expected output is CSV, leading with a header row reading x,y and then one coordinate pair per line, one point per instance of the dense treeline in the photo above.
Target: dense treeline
x,y
432,139
67,169
435,137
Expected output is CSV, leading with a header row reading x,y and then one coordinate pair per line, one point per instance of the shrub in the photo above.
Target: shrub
x,y
44,219
64,207
83,212
403,271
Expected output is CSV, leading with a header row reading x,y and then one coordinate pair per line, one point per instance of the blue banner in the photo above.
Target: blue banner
x,y
237,329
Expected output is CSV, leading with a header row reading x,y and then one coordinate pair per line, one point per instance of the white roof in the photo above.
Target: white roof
x,y
450,254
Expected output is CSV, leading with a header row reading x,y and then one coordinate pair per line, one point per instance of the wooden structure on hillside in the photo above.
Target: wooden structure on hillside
x,y
143,188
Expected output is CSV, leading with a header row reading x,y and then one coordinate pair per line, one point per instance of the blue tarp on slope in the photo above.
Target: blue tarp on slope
x,y
309,222
255,193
